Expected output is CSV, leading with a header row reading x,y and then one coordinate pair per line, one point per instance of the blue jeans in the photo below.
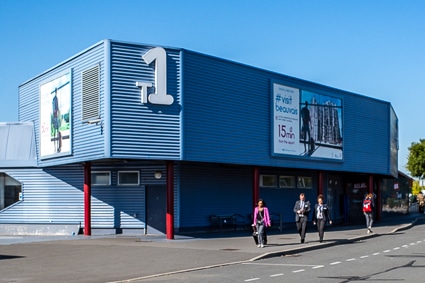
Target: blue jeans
x,y
369,219
260,230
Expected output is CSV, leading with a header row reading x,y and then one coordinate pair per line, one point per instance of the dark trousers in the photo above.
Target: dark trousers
x,y
302,227
321,228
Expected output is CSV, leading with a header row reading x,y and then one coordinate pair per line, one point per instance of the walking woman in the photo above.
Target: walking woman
x,y
368,206
261,220
321,216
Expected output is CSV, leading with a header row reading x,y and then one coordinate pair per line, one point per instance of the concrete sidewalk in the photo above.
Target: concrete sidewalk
x,y
122,258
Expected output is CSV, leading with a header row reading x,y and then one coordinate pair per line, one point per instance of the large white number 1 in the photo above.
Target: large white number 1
x,y
160,96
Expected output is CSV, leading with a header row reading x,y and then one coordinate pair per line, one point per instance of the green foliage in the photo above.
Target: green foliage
x,y
416,159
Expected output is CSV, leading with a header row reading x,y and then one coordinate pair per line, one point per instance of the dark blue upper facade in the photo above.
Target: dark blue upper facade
x,y
221,112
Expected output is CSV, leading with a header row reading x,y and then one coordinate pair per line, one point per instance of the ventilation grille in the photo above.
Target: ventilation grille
x,y
90,94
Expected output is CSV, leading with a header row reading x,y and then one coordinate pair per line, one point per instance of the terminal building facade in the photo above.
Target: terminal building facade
x,y
134,138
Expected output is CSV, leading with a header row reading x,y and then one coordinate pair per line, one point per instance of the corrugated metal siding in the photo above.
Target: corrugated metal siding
x,y
227,119
56,194
208,189
226,190
143,130
87,140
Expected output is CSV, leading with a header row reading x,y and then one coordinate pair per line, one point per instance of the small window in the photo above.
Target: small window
x,y
286,181
305,182
10,191
101,178
128,178
267,181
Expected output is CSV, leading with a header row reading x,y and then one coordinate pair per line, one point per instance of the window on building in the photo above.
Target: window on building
x,y
286,181
101,178
305,182
268,181
10,191
128,178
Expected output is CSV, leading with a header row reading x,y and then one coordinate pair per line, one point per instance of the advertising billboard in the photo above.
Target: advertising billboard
x,y
306,124
55,116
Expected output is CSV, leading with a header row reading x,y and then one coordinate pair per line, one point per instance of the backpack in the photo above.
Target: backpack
x,y
367,205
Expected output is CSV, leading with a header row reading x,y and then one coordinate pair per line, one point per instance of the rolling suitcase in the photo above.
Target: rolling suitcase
x,y
255,234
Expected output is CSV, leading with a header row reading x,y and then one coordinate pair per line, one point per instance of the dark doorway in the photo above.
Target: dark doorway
x,y
156,205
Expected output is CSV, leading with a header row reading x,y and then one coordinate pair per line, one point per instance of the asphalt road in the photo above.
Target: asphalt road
x,y
392,258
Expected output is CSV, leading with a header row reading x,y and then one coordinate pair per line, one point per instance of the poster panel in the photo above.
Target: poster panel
x,y
55,116
306,124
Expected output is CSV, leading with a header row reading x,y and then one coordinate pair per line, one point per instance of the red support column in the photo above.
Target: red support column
x,y
255,186
320,186
87,199
378,200
170,201
371,184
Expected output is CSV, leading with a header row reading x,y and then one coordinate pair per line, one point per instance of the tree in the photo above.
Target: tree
x,y
416,159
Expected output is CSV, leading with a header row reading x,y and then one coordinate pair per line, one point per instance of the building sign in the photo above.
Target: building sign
x,y
159,56
306,124
55,116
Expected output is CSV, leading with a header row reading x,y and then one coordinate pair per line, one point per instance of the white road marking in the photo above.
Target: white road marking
x,y
364,256
279,264
276,275
252,279
405,246
336,262
299,270
350,259
387,251
396,248
376,253
319,266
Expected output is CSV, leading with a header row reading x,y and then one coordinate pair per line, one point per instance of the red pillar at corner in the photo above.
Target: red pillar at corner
x,y
87,199
255,186
170,201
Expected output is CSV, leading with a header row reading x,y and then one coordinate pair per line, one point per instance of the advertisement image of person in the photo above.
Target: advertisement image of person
x,y
321,216
368,206
301,210
56,122
261,220
305,127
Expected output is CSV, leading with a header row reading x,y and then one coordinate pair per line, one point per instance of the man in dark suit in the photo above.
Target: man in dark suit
x,y
301,210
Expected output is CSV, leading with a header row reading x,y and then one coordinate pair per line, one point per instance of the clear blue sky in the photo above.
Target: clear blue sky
x,y
370,47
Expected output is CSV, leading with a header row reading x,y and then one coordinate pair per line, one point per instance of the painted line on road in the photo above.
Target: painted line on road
x,y
252,279
276,275
364,256
396,248
299,270
334,263
280,264
319,266
350,259
387,251
376,253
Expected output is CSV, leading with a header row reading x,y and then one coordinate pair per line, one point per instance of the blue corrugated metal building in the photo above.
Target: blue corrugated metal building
x,y
134,138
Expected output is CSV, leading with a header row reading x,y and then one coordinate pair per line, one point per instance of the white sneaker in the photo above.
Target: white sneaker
x,y
368,231
262,245
258,246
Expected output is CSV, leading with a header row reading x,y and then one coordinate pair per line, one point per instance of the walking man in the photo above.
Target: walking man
x,y
301,210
